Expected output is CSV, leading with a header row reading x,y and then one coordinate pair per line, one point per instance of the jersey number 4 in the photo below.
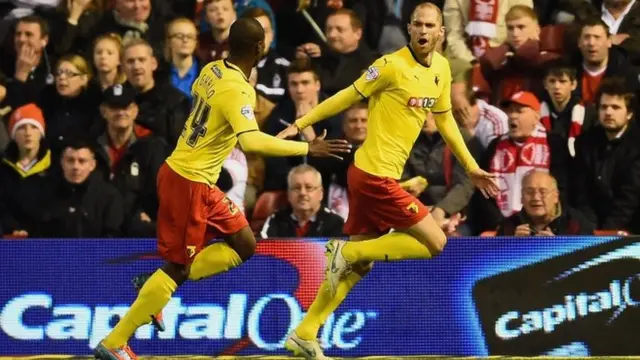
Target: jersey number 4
x,y
199,118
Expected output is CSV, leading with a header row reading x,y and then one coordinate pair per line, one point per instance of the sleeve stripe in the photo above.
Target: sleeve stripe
x,y
359,92
441,112
246,131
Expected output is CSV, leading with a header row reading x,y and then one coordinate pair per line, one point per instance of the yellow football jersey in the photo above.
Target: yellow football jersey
x,y
223,102
401,93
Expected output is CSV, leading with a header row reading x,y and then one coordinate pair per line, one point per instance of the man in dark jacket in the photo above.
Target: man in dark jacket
x,y
306,217
129,157
606,185
80,204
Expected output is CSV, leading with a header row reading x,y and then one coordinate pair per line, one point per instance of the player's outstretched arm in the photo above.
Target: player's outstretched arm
x,y
331,106
255,141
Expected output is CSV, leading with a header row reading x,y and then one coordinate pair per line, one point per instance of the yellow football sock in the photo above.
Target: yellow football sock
x,y
154,295
324,305
214,259
390,247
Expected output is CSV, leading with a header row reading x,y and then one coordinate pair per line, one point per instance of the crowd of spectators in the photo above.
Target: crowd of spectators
x,y
94,94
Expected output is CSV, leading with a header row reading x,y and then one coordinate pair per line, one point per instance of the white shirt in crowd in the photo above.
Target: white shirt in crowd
x,y
493,122
236,165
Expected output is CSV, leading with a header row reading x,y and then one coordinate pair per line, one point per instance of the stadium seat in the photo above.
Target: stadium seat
x,y
610,233
268,203
552,38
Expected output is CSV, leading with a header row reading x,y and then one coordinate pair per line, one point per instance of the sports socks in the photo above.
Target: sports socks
x,y
214,259
154,295
389,247
324,305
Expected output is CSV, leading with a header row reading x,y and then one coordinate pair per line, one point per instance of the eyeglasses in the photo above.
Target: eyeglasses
x,y
67,73
533,191
183,37
306,188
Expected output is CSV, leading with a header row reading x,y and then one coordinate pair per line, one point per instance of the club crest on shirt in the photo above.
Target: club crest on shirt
x,y
421,102
372,73
247,112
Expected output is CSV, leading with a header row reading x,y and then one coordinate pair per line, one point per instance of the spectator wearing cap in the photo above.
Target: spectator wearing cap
x,y
162,108
518,63
23,171
525,147
606,185
78,203
129,157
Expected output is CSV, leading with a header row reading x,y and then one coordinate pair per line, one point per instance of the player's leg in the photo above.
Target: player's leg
x,y
224,217
325,304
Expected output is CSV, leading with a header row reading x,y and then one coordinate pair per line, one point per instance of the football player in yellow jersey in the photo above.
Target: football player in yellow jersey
x,y
402,88
192,210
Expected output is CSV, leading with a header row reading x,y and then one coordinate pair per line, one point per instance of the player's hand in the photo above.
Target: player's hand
x,y
486,182
144,217
523,230
328,148
415,186
290,131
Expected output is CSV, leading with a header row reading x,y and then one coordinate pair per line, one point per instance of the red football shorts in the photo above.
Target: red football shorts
x,y
378,204
191,214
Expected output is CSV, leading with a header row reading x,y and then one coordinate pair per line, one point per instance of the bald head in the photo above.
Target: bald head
x,y
431,6
245,35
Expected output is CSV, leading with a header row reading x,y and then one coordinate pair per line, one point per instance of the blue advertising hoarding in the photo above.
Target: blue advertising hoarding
x,y
482,296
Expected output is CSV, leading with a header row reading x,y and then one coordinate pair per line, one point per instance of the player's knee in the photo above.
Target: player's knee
x,y
362,268
247,247
437,244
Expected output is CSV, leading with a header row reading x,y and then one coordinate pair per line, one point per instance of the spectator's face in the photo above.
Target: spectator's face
x,y
120,118
341,35
28,137
134,10
29,34
303,87
268,32
253,78
522,121
305,192
69,80
425,30
106,56
183,38
139,65
355,125
521,30
539,195
594,43
77,165
220,14
613,113
559,87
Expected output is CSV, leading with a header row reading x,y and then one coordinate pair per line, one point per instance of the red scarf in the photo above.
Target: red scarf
x,y
512,161
575,129
483,17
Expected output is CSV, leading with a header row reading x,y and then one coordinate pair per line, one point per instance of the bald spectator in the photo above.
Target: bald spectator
x,y
518,63
305,217
525,147
163,108
343,59
542,213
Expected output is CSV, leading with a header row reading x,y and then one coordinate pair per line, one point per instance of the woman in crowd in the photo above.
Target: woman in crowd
x,y
107,51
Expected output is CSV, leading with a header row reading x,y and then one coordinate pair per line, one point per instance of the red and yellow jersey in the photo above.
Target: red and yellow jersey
x,y
223,102
401,93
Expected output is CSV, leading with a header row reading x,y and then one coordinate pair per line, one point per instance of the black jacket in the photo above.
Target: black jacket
x,y
570,222
283,225
135,178
606,185
272,76
92,209
163,110
338,71
21,192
